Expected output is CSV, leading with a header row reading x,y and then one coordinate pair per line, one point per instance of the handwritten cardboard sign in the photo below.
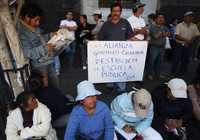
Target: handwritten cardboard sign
x,y
116,61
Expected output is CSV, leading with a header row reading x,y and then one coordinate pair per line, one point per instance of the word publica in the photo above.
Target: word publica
x,y
120,75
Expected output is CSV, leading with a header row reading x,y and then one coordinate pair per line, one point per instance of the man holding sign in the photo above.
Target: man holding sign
x,y
116,29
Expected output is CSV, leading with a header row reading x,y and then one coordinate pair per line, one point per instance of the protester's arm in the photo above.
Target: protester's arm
x,y
70,28
72,127
41,129
194,98
187,112
11,128
177,35
73,28
109,129
146,123
116,111
97,28
196,33
155,34
101,34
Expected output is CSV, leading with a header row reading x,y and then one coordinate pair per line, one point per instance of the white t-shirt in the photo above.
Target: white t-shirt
x,y
137,23
69,23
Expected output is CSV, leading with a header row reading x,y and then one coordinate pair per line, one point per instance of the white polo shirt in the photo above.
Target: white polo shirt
x,y
69,23
137,23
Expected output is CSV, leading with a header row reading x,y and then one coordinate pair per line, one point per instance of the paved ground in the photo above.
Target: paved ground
x,y
70,77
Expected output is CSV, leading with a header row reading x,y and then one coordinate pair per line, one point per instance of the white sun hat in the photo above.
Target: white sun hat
x,y
85,89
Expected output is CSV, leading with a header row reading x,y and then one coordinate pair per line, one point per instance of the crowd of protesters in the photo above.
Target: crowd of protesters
x,y
170,112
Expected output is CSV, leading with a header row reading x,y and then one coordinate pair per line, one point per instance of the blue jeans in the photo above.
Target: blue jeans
x,y
181,56
57,64
70,51
156,55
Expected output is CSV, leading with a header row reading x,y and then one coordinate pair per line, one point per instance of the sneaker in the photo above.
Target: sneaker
x,y
84,67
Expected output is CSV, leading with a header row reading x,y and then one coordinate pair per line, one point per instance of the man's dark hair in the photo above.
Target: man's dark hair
x,y
31,10
116,4
22,99
35,82
159,14
84,16
152,16
99,15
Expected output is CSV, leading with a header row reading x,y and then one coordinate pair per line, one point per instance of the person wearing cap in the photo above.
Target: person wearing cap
x,y
71,25
99,23
172,109
185,34
133,113
91,119
138,23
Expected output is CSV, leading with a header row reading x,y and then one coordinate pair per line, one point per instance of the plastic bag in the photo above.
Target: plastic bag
x,y
167,44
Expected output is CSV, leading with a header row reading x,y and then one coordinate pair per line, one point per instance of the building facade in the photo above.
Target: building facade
x,y
89,6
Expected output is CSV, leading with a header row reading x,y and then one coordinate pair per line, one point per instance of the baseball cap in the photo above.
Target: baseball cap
x,y
85,89
97,12
142,102
188,13
178,88
138,5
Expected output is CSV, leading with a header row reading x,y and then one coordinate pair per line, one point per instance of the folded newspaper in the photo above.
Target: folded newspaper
x,y
127,136
61,40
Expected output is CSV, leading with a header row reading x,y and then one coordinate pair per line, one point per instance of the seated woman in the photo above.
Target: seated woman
x,y
30,120
172,109
91,119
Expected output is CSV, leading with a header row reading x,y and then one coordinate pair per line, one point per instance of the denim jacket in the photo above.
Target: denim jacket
x,y
34,45
122,111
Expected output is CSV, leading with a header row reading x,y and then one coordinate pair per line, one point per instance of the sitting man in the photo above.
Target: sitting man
x,y
133,113
91,119
173,110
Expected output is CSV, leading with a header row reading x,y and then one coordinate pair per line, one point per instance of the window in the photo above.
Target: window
x,y
124,3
